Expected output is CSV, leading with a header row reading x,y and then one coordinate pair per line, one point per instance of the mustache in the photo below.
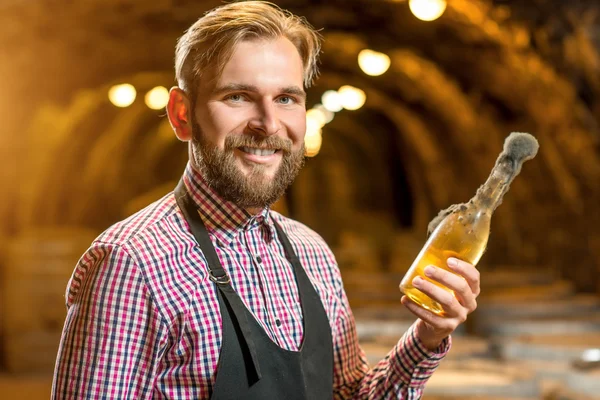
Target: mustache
x,y
260,142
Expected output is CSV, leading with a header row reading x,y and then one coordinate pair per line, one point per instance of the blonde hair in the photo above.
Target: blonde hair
x,y
210,41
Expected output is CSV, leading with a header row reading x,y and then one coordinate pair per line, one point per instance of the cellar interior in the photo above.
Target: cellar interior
x,y
429,131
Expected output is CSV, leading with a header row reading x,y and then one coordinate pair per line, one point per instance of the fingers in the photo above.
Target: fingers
x,y
467,271
449,302
455,290
458,284
441,324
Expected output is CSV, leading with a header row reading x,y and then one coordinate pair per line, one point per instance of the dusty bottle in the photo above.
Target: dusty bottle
x,y
462,230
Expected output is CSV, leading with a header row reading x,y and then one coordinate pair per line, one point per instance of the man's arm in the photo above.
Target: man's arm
x,y
406,369
402,374
111,337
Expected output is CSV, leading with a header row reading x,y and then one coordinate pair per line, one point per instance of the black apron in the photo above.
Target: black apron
x,y
251,365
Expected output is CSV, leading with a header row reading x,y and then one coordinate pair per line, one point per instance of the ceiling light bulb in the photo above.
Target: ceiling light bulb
x,y
373,63
352,98
427,10
122,95
331,100
157,98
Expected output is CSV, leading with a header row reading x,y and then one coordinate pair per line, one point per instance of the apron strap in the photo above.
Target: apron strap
x,y
216,272
287,246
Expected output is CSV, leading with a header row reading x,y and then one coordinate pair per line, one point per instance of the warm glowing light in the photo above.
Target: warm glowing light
x,y
312,124
315,117
352,98
122,95
312,142
331,100
157,98
373,63
326,113
427,10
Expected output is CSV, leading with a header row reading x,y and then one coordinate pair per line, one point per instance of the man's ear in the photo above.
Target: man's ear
x,y
179,113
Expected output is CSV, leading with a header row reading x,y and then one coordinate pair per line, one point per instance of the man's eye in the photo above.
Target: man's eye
x,y
286,100
235,97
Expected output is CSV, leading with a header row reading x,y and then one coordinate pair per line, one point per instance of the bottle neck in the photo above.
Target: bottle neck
x,y
490,195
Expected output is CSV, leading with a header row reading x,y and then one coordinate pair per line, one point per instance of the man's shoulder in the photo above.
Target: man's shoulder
x,y
145,222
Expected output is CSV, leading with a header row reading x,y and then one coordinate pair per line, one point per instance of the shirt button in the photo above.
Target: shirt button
x,y
278,322
258,259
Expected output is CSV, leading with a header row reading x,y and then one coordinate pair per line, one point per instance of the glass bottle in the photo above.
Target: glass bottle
x,y
462,234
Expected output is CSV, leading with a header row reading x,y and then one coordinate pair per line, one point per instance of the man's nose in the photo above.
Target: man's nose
x,y
266,121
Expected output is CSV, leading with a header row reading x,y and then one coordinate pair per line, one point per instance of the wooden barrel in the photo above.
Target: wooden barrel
x,y
481,379
37,267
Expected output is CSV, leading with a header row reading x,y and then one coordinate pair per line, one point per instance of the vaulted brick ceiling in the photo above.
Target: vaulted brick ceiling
x,y
456,88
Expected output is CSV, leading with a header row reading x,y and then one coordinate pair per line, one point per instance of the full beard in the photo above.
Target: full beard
x,y
254,189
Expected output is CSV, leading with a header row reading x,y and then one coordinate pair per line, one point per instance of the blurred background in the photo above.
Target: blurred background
x,y
408,116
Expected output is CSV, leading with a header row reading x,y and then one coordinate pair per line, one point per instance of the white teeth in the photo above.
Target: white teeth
x,y
257,152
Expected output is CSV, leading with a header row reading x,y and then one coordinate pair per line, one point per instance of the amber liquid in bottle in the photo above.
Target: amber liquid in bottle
x,y
463,234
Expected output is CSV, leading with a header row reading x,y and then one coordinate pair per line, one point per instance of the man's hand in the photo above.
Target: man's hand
x,y
432,329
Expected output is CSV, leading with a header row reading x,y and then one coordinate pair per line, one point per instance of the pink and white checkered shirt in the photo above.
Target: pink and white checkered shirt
x,y
143,319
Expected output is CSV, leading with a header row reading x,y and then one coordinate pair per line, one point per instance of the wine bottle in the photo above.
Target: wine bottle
x,y
462,230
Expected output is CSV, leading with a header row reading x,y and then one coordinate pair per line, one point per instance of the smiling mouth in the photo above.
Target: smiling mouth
x,y
258,152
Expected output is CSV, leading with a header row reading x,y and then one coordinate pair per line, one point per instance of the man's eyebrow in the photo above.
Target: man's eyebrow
x,y
295,90
235,87
242,87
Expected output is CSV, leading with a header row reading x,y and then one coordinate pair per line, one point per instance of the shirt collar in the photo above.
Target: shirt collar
x,y
222,218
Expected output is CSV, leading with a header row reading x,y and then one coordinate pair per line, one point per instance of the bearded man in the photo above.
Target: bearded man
x,y
207,293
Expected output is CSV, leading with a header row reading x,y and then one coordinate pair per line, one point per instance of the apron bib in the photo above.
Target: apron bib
x,y
252,366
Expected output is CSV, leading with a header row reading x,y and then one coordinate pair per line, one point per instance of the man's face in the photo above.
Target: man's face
x,y
249,123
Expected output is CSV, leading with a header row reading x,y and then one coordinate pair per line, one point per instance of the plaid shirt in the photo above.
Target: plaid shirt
x,y
143,319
